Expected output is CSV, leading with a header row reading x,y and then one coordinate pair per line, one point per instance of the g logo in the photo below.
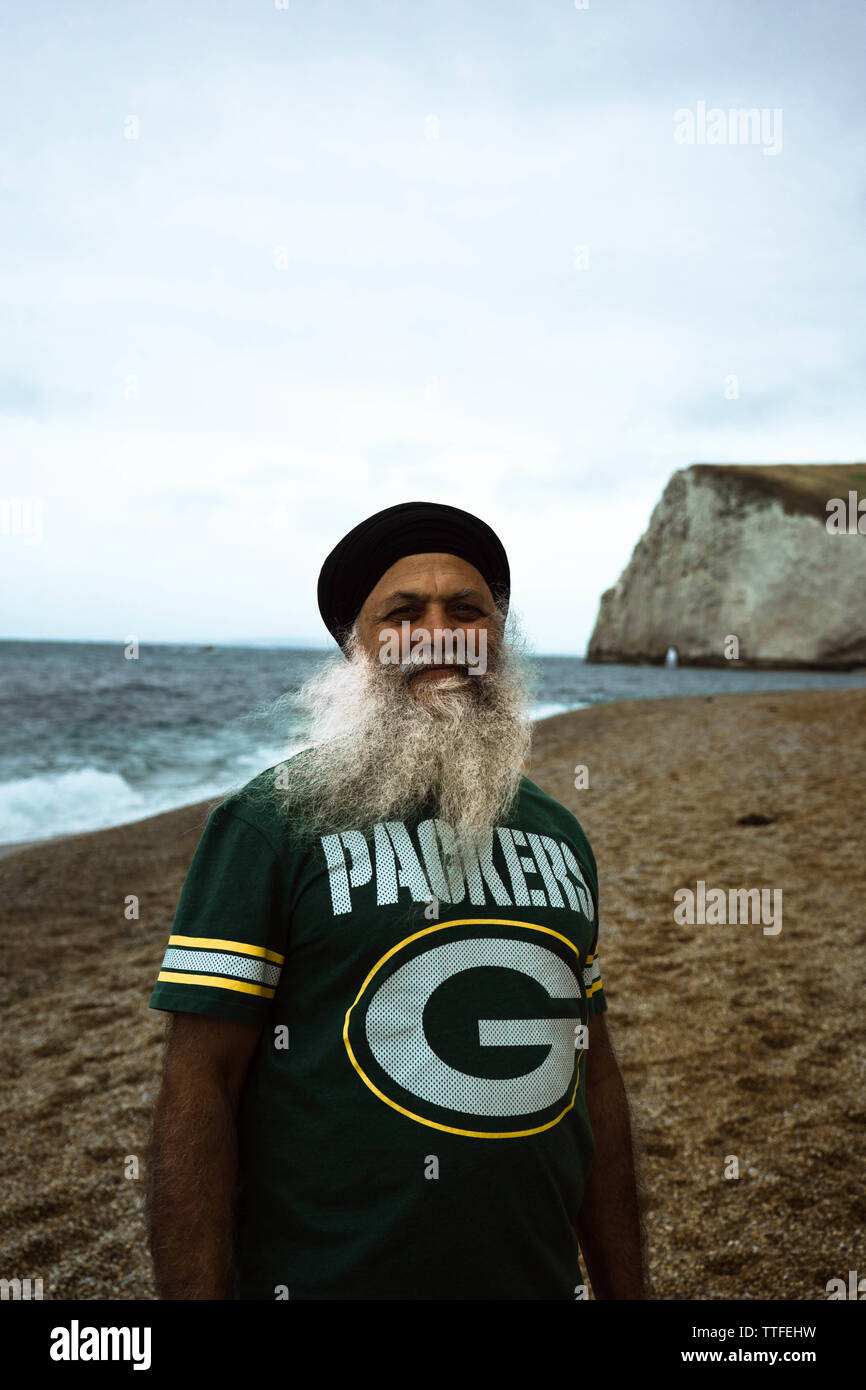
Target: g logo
x,y
470,1026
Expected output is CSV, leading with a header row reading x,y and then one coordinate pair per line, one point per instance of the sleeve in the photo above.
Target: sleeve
x,y
592,979
596,1002
228,940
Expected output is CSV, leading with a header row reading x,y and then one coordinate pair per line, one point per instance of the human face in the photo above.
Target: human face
x,y
430,591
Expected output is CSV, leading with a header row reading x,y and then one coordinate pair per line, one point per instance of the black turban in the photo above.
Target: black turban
x,y
357,563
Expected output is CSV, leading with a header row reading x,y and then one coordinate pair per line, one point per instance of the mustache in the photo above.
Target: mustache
x,y
420,662
459,667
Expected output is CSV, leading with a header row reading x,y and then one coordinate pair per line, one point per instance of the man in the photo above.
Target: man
x,y
388,1069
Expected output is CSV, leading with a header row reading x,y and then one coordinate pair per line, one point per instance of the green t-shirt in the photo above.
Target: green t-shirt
x,y
413,1124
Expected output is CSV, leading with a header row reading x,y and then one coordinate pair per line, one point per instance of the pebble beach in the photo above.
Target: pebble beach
x,y
741,1050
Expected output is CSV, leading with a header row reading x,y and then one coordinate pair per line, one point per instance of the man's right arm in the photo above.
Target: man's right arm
x,y
193,1155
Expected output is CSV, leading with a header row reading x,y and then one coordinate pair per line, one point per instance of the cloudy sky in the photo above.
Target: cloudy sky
x,y
267,269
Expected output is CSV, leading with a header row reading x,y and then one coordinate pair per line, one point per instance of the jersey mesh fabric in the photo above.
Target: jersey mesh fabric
x,y
413,1124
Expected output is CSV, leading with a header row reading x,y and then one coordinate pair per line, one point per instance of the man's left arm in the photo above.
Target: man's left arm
x,y
609,1228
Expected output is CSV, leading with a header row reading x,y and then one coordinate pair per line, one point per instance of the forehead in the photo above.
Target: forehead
x,y
430,575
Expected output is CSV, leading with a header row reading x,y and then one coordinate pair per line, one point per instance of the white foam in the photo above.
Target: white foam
x,y
65,803
34,808
545,710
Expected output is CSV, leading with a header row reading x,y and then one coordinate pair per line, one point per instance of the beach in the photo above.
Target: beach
x,y
735,1043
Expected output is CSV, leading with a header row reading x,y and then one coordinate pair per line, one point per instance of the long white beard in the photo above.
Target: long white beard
x,y
387,743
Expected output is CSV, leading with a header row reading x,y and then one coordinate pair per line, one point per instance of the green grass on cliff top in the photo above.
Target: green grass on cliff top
x,y
799,487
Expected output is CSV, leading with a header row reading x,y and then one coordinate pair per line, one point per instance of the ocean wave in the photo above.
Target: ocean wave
x,y
546,708
34,808
65,803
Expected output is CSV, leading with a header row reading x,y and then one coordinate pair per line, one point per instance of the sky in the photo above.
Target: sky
x,y
266,268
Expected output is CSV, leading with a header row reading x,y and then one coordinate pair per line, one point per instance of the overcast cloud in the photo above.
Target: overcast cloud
x,y
340,267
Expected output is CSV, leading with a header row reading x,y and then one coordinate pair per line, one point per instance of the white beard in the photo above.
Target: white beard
x,y
387,743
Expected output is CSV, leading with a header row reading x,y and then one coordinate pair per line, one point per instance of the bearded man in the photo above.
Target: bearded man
x,y
388,1074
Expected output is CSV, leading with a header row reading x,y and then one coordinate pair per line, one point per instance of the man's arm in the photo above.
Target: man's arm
x,y
609,1228
193,1155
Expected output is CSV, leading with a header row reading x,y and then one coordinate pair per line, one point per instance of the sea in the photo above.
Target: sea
x,y
97,737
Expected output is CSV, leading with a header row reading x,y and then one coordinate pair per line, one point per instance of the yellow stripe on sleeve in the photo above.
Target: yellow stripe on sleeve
x,y
241,947
177,977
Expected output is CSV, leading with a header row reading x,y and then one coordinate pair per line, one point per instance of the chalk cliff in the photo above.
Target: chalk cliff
x,y
742,550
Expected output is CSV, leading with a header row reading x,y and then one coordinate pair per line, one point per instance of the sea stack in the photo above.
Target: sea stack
x,y
745,564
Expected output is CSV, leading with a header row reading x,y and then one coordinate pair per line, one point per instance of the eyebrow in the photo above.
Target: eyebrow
x,y
411,594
